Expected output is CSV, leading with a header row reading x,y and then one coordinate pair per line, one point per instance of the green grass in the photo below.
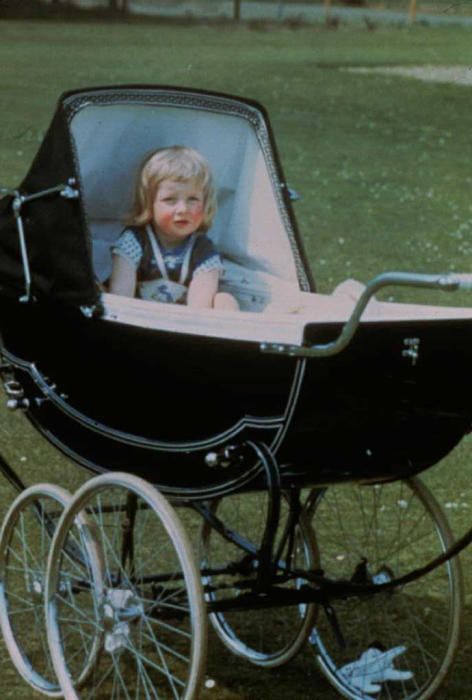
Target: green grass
x,y
382,164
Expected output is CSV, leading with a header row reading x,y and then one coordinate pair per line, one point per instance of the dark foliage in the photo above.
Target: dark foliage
x,y
58,9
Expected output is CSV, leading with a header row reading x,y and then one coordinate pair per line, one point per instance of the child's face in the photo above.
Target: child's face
x,y
178,210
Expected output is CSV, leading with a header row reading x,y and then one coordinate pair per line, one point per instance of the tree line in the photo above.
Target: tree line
x,y
124,5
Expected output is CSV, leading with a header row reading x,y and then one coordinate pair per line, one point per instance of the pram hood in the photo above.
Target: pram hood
x,y
96,142
58,249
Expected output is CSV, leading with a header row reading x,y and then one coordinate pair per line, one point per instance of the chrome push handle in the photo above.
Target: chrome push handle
x,y
446,282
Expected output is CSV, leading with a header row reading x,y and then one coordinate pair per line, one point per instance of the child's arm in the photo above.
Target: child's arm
x,y
202,289
123,277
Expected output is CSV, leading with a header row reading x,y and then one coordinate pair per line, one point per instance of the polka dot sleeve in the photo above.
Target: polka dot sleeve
x,y
213,263
128,247
205,256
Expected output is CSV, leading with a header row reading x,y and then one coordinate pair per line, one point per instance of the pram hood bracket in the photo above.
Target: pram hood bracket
x,y
67,191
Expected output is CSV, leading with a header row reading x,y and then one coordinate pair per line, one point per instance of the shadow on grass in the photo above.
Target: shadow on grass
x,y
234,679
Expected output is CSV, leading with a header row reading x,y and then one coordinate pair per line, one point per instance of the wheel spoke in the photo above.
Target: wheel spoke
x,y
390,530
145,599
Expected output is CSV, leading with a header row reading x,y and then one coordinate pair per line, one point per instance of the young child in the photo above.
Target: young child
x,y
164,255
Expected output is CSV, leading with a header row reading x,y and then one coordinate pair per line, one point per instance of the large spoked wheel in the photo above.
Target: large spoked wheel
x,y
399,644
144,602
267,637
25,541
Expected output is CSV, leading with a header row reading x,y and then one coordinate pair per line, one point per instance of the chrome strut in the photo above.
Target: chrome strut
x,y
67,191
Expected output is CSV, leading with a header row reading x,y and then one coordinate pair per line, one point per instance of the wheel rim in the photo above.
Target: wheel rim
x,y
378,533
25,541
147,612
267,637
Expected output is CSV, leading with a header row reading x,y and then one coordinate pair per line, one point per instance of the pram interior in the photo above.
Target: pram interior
x,y
252,231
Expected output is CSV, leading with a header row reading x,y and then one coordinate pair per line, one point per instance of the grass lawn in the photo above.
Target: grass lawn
x,y
382,164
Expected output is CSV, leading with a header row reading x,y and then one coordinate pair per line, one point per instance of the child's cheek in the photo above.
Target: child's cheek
x,y
165,218
197,213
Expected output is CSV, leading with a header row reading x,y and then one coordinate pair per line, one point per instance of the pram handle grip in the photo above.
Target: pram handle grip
x,y
445,282
463,281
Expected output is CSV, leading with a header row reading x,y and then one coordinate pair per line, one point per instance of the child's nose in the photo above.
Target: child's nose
x,y
181,205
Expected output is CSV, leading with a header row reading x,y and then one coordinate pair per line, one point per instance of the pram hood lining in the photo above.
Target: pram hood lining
x,y
251,229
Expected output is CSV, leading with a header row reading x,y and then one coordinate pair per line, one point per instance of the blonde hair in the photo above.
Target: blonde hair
x,y
177,163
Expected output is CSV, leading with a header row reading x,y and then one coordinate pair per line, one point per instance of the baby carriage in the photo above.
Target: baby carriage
x,y
292,431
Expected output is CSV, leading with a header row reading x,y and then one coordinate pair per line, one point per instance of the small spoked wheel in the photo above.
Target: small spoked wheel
x,y
25,541
399,644
271,636
144,602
